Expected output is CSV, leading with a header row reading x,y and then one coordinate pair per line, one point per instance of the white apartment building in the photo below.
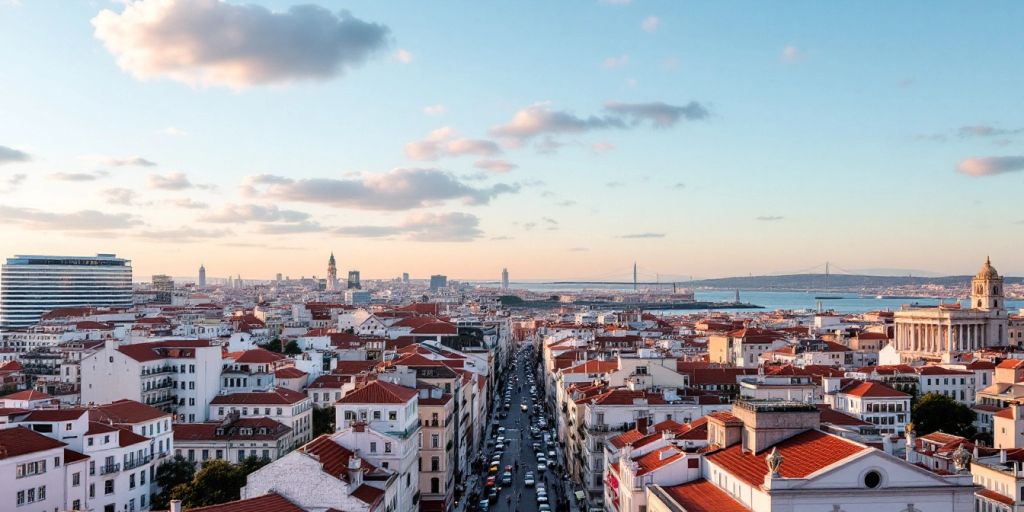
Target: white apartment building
x,y
285,406
872,402
178,376
381,421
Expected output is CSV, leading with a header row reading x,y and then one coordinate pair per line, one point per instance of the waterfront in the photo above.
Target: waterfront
x,y
772,300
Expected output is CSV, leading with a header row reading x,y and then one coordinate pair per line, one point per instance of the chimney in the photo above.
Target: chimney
x,y
887,444
355,471
641,425
1002,456
175,506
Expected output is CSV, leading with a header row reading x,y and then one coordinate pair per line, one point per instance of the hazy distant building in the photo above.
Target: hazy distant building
x,y
504,279
405,277
202,276
332,274
279,277
939,332
163,285
438,281
353,280
357,297
33,285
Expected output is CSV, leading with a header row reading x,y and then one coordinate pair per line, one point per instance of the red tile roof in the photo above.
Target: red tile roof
x,y
830,415
54,415
334,458
256,356
436,328
126,412
266,503
625,438
593,366
657,459
995,496
153,351
28,394
20,441
289,372
279,396
126,437
379,392
354,367
1011,364
208,431
330,381
872,390
71,456
703,496
804,454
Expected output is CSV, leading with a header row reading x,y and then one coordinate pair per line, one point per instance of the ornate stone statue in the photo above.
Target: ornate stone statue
x,y
774,461
962,459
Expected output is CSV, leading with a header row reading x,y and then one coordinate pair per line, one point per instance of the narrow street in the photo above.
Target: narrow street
x,y
519,448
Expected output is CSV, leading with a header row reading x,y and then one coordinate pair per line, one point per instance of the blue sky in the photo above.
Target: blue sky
x,y
832,132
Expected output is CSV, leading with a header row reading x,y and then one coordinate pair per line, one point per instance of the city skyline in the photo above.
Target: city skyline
x,y
695,139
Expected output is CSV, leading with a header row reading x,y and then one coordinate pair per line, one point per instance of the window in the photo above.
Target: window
x,y
76,479
872,479
76,505
108,487
373,447
21,497
387,447
435,485
435,441
376,415
392,415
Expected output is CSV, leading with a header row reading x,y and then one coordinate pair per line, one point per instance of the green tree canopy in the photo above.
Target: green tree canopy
x,y
935,411
217,481
169,475
323,421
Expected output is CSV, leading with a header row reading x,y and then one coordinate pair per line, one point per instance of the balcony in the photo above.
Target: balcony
x,y
157,371
109,468
164,384
134,463
167,401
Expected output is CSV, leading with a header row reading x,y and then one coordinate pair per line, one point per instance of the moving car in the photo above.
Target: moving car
x,y
542,467
529,481
506,478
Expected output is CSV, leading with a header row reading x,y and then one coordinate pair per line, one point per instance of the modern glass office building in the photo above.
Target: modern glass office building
x,y
32,285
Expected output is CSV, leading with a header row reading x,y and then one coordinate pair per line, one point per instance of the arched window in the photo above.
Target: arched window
x,y
979,303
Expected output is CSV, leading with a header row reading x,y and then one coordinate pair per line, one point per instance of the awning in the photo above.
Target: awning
x,y
580,495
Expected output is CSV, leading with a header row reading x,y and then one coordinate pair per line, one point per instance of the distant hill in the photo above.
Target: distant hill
x,y
836,282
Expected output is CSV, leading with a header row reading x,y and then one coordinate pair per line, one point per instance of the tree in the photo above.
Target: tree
x,y
218,481
323,421
169,475
292,348
934,412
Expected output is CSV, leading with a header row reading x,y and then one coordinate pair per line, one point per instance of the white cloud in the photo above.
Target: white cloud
x,y
445,142
615,62
991,165
119,161
171,131
82,220
792,54
77,176
404,56
495,165
122,196
650,24
11,155
434,110
170,181
213,42
398,189
423,227
254,213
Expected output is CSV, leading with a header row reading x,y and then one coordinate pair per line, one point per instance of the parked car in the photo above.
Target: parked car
x,y
529,481
542,467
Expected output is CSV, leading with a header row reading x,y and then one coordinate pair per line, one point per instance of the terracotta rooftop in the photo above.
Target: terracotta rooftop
x,y
256,356
126,412
379,392
872,390
703,496
20,441
804,454
279,396
267,503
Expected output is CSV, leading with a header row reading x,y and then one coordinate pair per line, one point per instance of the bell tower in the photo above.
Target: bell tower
x,y
332,274
987,289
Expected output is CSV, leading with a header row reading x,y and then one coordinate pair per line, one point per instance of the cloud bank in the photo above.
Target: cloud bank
x,y
215,43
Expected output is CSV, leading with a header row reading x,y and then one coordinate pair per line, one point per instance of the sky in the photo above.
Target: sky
x,y
558,139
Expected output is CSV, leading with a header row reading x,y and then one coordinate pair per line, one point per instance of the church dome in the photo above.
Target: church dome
x,y
987,271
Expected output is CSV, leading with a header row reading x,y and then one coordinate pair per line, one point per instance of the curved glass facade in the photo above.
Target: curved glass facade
x,y
32,285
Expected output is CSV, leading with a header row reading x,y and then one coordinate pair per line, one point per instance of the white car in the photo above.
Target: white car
x,y
542,467
529,480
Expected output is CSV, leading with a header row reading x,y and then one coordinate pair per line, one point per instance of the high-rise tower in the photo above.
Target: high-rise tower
x,y
332,274
504,279
987,288
202,276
